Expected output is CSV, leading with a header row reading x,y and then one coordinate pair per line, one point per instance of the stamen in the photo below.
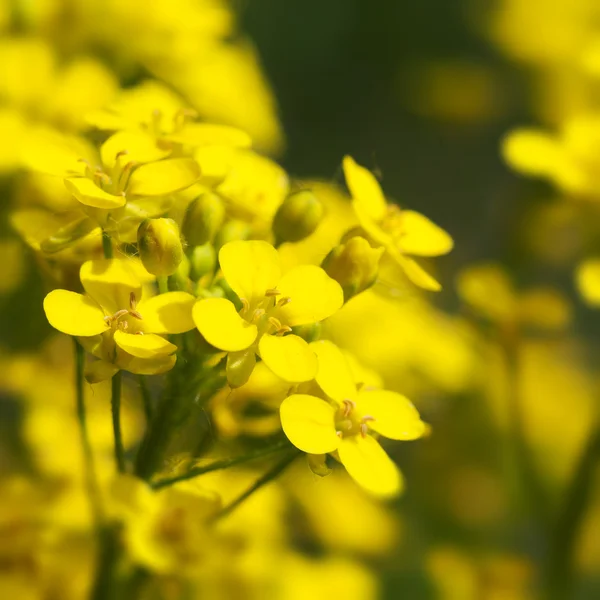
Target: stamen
x,y
340,434
124,325
119,314
258,313
136,314
132,300
368,418
283,301
283,330
349,406
272,292
364,429
245,305
124,176
276,323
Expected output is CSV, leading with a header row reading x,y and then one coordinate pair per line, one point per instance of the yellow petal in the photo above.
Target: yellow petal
x,y
369,465
168,313
139,146
209,134
419,276
146,345
74,314
289,357
532,152
163,177
308,422
422,237
100,370
395,416
333,371
146,366
250,268
219,323
544,308
588,281
88,193
365,189
314,295
111,281
488,290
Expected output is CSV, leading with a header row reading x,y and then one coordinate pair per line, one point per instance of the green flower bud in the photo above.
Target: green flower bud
x,y
230,232
180,280
203,260
354,265
203,218
309,333
239,367
298,216
160,246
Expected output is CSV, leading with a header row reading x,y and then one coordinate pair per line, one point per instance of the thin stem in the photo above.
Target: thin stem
x,y
258,484
107,245
163,285
91,480
219,465
106,583
116,420
560,563
146,399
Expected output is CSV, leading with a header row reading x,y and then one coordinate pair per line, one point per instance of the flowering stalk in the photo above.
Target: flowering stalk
x,y
116,420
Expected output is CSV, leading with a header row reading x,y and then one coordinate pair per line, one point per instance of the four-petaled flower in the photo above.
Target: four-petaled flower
x,y
346,424
116,322
272,304
403,233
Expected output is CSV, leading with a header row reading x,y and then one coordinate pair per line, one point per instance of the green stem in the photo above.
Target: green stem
x,y
91,480
219,465
106,584
163,285
146,399
116,420
258,484
107,245
560,564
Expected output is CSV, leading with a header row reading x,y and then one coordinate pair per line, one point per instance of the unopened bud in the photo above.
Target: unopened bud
x,y
203,260
354,265
298,216
230,232
203,218
160,246
310,332
318,464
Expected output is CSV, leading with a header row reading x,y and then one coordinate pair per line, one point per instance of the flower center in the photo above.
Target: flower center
x,y
126,319
264,313
348,421
113,181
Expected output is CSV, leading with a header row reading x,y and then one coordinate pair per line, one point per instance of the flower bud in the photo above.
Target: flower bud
x,y
203,260
310,332
203,218
298,216
230,232
160,246
318,464
354,265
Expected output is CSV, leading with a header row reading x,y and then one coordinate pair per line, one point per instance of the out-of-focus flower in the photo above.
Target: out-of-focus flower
x,y
272,304
346,425
403,233
588,281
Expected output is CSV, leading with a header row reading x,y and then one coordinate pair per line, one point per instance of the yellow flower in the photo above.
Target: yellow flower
x,y
403,233
272,304
588,281
347,424
116,323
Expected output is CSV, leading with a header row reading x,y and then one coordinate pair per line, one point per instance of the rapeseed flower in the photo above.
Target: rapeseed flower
x,y
403,233
272,303
349,421
117,322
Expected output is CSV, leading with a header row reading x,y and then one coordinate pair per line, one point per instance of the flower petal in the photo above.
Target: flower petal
x,y
111,281
168,313
221,325
146,366
139,146
423,237
364,189
308,422
314,296
143,345
88,193
333,372
532,151
395,416
74,314
289,357
369,465
163,177
210,134
588,281
100,370
250,267
419,276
